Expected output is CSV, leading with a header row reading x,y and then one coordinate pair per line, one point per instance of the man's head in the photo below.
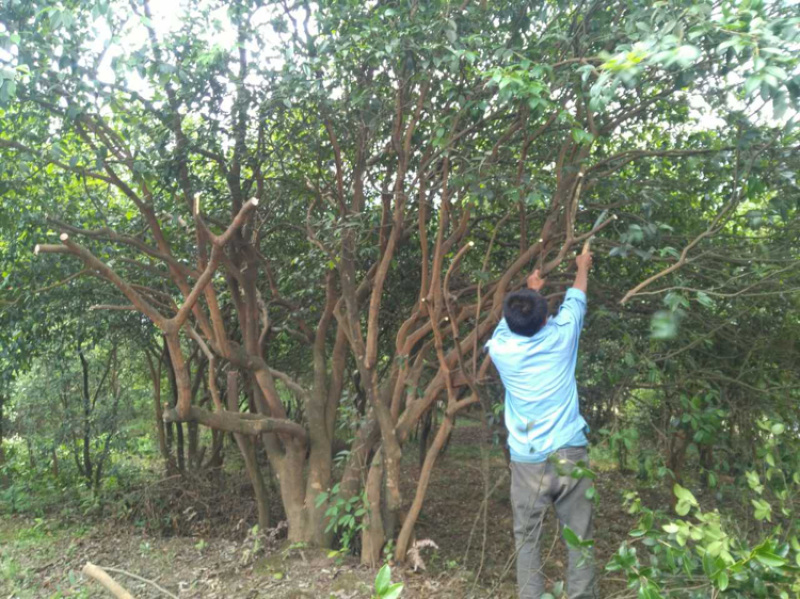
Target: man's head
x,y
525,312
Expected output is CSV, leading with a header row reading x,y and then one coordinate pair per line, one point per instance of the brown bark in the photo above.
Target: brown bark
x,y
2,438
410,520
155,377
87,412
424,427
373,537
175,391
247,447
676,456
193,447
240,423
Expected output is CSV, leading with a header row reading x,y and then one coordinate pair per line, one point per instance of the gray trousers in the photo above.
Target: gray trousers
x,y
533,488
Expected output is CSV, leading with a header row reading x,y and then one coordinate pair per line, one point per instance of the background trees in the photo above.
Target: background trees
x,y
310,215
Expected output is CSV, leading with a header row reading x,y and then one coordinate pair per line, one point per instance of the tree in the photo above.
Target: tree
x,y
78,395
388,151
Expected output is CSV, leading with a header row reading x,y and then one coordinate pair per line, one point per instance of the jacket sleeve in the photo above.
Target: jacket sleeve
x,y
573,309
499,331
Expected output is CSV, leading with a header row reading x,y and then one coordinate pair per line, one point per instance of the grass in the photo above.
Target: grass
x,y
14,576
25,540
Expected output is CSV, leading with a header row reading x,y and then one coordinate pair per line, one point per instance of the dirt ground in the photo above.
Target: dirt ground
x,y
474,559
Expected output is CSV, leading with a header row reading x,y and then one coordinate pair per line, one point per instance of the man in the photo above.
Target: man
x,y
536,359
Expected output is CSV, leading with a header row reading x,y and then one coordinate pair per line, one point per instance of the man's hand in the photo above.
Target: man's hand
x,y
584,261
535,281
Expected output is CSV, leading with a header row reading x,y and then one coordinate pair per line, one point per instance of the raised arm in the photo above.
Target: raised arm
x,y
584,262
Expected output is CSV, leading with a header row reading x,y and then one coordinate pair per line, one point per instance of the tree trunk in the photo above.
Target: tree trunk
x,y
449,436
407,530
161,427
87,422
173,382
169,433
373,535
31,456
292,487
2,448
101,460
706,464
677,446
217,441
55,461
181,455
194,452
320,464
247,447
425,425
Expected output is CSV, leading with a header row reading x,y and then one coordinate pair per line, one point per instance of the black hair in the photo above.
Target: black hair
x,y
525,312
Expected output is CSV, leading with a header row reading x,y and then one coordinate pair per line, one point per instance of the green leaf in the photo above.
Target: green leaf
x,y
648,590
769,559
763,510
687,54
752,84
393,592
582,137
571,538
383,579
670,528
664,324
722,580
684,494
777,72
705,299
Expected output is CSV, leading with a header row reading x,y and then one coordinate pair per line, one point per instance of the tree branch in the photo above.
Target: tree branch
x,y
244,424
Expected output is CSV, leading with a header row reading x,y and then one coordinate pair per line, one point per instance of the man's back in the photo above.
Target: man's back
x,y
538,372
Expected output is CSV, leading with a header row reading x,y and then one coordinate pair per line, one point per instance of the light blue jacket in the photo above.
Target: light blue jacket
x,y
541,404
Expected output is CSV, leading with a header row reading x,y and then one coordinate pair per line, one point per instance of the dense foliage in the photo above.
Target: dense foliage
x,y
300,221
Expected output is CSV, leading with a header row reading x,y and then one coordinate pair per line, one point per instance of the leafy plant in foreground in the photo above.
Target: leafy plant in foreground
x,y
384,589
700,554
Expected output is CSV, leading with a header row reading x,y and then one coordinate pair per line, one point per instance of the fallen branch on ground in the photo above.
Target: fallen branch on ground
x,y
100,575
104,579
